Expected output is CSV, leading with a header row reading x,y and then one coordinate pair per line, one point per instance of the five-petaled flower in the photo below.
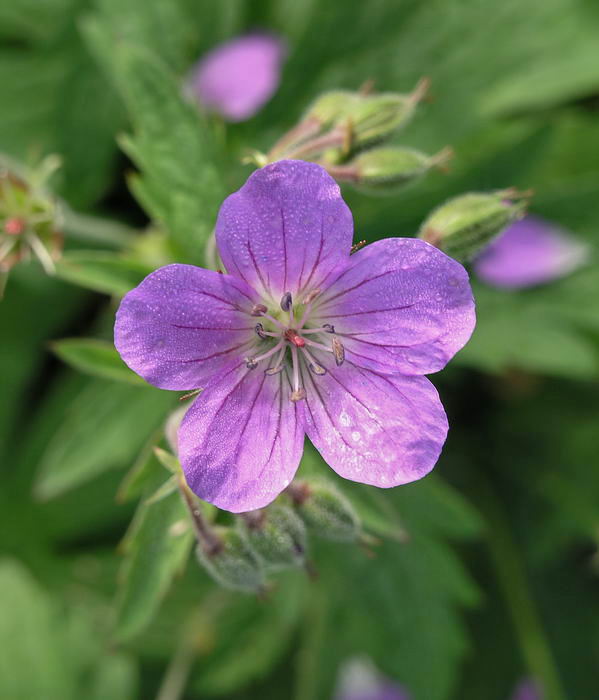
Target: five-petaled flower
x,y
300,338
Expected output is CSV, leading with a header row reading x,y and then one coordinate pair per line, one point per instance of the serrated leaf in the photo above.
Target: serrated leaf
x,y
96,357
156,551
180,184
102,272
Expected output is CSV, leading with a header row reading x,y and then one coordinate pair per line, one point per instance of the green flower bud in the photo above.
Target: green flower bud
x,y
325,511
277,535
232,563
464,225
332,107
375,118
387,169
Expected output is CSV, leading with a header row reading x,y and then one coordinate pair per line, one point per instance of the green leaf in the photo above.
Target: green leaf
x,y
104,428
249,636
96,357
102,272
168,460
168,487
156,551
30,629
180,184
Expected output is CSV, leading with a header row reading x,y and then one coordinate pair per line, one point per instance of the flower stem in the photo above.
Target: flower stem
x,y
205,535
177,672
518,598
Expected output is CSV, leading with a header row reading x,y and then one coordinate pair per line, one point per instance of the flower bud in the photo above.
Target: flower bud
x,y
277,535
464,225
232,563
332,107
325,511
29,216
387,169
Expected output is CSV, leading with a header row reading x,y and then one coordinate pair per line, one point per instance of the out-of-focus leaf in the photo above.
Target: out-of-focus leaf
x,y
103,429
418,584
521,331
93,229
114,678
180,184
168,487
250,636
168,460
102,272
155,551
31,635
96,357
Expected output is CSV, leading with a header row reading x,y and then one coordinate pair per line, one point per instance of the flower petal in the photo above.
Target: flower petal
x,y
530,252
374,428
237,77
402,306
183,324
286,229
241,442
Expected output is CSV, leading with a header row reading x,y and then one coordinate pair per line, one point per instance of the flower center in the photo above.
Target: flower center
x,y
308,346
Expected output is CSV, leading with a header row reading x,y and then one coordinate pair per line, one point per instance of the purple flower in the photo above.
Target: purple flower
x,y
300,338
530,252
360,680
236,78
527,690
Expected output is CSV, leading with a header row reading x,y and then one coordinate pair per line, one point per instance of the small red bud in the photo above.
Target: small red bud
x,y
14,226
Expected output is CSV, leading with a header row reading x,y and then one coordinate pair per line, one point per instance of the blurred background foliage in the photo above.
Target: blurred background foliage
x,y
494,575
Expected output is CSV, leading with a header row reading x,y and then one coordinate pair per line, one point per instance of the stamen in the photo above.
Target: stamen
x,y
314,366
258,310
286,301
278,365
309,298
338,352
252,362
320,346
259,328
295,338
297,394
326,328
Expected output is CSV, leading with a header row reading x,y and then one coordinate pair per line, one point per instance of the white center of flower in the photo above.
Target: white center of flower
x,y
290,333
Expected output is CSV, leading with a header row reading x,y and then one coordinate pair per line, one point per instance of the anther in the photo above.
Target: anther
x,y
309,298
298,395
338,352
315,368
329,327
258,310
273,370
259,328
286,301
250,363
294,337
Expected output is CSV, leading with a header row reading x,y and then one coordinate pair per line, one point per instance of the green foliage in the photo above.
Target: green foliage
x,y
68,660
180,185
75,75
96,357
156,548
104,428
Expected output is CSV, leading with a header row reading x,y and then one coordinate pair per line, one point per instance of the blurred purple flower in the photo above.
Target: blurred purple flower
x,y
527,690
360,680
236,78
530,252
300,338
